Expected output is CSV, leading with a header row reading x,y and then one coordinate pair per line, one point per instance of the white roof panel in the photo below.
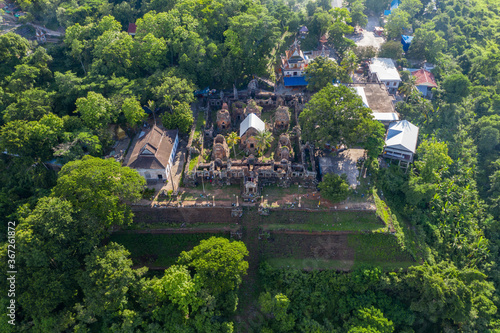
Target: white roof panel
x,y
385,116
402,135
361,92
252,121
385,69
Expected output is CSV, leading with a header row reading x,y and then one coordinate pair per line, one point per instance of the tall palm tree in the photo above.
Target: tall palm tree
x,y
232,140
408,87
264,140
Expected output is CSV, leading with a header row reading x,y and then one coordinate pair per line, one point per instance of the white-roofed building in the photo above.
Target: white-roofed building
x,y
361,92
375,97
384,70
249,128
385,117
401,141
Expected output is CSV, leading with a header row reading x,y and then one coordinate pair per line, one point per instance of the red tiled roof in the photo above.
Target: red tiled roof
x,y
424,78
132,27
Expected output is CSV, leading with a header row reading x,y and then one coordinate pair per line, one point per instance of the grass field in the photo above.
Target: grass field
x,y
160,250
379,250
342,252
328,221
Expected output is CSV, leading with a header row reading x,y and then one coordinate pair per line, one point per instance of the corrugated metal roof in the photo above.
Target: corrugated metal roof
x,y
424,78
252,121
402,135
295,81
385,69
385,116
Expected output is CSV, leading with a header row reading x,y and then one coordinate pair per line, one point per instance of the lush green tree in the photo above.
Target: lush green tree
x,y
372,320
78,145
100,190
277,307
338,29
30,105
151,52
13,48
489,138
377,6
375,142
429,168
335,115
218,262
365,52
320,22
181,289
95,110
181,118
134,113
396,22
391,49
456,87
250,36
24,77
412,7
34,139
106,280
348,65
321,72
357,14
49,244
427,43
264,140
113,53
174,90
334,187
433,160
443,292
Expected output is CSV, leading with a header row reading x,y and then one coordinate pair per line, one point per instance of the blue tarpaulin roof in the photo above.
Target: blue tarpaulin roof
x,y
395,4
387,12
406,41
295,81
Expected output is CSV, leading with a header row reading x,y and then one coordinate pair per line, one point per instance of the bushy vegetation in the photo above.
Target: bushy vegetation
x,y
56,105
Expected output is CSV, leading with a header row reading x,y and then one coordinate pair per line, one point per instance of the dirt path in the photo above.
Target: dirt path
x,y
249,289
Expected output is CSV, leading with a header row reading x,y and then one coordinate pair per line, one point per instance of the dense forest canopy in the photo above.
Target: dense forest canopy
x,y
58,100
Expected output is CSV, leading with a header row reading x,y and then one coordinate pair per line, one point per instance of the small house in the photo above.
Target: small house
x,y
424,82
384,70
303,31
132,28
401,142
153,152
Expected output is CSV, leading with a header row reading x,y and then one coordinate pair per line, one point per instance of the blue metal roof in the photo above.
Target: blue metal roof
x,y
295,81
406,41
395,4
387,12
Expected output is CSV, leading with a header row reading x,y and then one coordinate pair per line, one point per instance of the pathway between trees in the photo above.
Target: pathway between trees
x,y
249,314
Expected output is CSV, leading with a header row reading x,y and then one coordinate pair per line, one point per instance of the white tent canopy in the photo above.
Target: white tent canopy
x,y
252,121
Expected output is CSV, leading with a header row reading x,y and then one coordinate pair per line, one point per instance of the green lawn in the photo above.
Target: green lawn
x,y
159,249
330,221
379,250
193,162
